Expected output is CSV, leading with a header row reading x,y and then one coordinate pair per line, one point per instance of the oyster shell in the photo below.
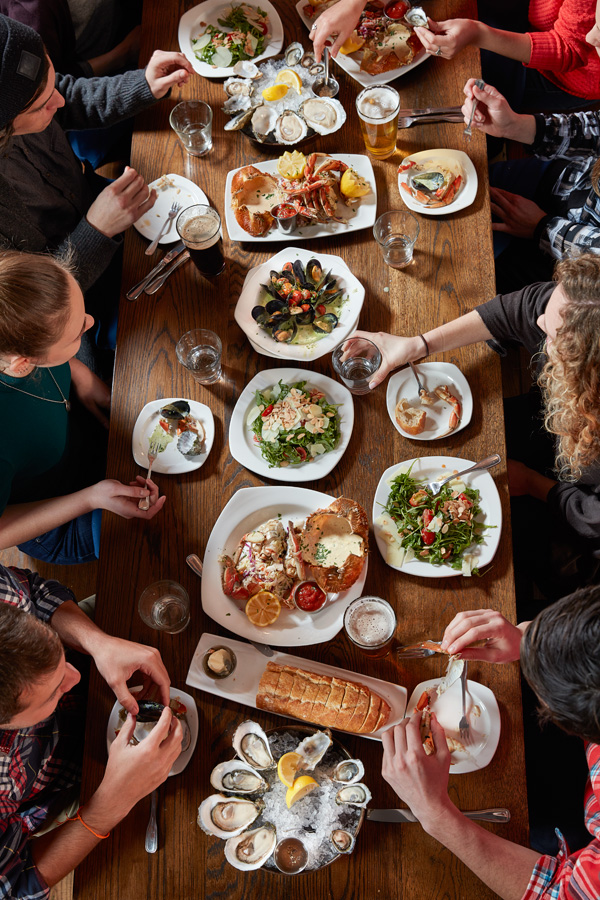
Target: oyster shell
x,y
316,69
313,748
353,795
236,776
263,121
416,16
235,86
238,121
252,848
227,817
290,128
348,771
323,115
294,53
307,60
342,840
246,69
252,745
236,104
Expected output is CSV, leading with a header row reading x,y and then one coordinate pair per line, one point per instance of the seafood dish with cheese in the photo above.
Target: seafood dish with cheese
x,y
432,183
176,424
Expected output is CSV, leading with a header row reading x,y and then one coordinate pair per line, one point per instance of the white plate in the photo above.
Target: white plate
x,y
170,461
241,437
169,189
429,468
209,13
352,66
192,719
247,509
484,728
466,192
354,220
242,685
403,385
251,292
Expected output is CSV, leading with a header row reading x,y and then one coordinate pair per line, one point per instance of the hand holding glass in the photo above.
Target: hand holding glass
x,y
356,360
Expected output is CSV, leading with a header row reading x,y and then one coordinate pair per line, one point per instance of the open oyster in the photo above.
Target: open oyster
x,y
353,795
263,122
252,848
237,122
227,817
313,748
290,128
348,771
246,69
342,840
237,777
235,86
252,745
294,53
323,115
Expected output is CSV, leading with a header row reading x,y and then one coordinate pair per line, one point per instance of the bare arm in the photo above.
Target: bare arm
x,y
452,35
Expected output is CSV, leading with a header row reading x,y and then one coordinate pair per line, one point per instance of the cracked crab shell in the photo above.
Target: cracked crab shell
x,y
335,543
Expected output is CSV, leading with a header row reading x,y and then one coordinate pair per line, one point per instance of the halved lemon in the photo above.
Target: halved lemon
x,y
352,185
287,768
352,44
301,787
291,78
275,92
291,165
263,609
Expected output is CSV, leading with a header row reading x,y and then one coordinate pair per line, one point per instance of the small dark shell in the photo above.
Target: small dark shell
x,y
325,324
298,269
314,271
276,319
286,331
190,444
307,60
331,297
275,306
149,711
259,314
178,410
306,318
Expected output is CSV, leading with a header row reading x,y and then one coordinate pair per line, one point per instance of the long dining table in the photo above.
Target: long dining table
x,y
451,273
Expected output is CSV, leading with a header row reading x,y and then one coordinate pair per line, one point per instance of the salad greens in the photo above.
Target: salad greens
x,y
249,29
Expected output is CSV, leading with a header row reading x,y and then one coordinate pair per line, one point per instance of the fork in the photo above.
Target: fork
x,y
417,651
153,452
175,207
463,725
423,393
488,463
480,83
407,121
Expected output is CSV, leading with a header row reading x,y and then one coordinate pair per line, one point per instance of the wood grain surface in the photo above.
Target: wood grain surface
x,y
452,272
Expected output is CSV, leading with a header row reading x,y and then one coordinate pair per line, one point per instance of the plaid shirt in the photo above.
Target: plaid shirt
x,y
575,877
36,766
573,223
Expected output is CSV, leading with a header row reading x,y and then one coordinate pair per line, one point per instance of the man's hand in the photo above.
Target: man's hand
x,y
117,660
450,36
494,115
340,19
502,639
395,351
123,499
518,214
165,70
91,390
121,203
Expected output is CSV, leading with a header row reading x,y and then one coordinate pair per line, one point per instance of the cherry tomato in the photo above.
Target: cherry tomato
x,y
286,289
287,267
305,307
296,296
321,309
427,516
164,425
301,453
268,410
418,498
465,501
428,537
306,294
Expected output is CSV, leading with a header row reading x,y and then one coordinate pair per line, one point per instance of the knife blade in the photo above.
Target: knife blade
x,y
430,111
496,814
134,292
157,283
262,648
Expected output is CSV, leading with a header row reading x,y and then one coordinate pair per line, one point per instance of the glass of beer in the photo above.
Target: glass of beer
x,y
199,227
370,624
377,107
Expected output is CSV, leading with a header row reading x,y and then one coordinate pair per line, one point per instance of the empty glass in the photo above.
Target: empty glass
x,y
356,360
396,232
192,123
199,351
165,606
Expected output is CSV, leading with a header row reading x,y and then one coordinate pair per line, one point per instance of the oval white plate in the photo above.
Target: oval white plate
x,y
261,339
247,509
484,729
403,385
429,468
170,461
241,437
210,12
170,189
192,719
466,192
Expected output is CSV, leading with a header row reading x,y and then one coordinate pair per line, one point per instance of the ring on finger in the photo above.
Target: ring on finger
x,y
438,52
315,26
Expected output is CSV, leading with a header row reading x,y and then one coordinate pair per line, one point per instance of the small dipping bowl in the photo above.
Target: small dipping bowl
x,y
286,217
223,662
290,856
395,10
309,597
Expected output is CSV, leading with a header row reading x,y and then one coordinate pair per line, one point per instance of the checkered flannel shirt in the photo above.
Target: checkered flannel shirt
x,y
575,877
35,766
573,223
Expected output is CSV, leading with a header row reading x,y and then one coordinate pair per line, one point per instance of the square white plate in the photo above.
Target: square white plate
x,y
170,189
403,385
466,192
170,461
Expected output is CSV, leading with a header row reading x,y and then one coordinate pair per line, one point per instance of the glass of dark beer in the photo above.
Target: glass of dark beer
x,y
199,227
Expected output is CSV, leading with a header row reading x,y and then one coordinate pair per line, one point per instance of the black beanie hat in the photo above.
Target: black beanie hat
x,y
21,70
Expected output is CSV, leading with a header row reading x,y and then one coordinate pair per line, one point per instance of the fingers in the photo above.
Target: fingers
x,y
502,196
378,377
126,732
153,511
126,699
161,729
336,45
439,739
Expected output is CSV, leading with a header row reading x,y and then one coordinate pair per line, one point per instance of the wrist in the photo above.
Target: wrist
x,y
419,348
436,819
107,807
522,129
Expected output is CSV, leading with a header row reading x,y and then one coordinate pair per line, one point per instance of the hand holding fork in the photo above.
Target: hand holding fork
x,y
153,452
175,207
468,132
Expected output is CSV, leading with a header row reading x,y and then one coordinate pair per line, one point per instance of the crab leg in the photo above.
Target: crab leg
x,y
443,392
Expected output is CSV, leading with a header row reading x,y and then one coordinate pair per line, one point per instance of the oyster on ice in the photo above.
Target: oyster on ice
x,y
252,745
236,776
227,817
342,840
313,748
235,86
293,54
290,128
237,122
246,69
251,849
348,771
323,115
263,122
353,795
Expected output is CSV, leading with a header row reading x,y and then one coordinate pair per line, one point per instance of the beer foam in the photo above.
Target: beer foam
x,y
370,622
199,233
378,105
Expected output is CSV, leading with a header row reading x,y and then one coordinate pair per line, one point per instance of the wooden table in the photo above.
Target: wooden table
x,y
453,271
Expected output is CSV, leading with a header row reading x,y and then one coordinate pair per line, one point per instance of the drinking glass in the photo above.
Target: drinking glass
x,y
192,123
199,351
370,623
165,606
377,107
199,227
396,233
356,360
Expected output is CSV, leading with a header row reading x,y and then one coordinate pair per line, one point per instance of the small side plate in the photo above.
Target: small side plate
x,y
403,385
466,192
170,461
169,189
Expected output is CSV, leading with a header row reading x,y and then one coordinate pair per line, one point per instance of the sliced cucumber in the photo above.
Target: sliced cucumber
x,y
201,42
222,57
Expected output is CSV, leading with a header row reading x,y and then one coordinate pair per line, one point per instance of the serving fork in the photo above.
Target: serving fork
x,y
153,451
175,207
488,463
463,725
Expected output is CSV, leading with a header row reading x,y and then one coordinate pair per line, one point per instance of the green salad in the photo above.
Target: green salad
x,y
293,423
249,30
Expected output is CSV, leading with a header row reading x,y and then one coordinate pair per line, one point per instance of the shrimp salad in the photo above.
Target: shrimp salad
x,y
249,30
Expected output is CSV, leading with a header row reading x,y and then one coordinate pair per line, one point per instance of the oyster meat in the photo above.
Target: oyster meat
x,y
290,128
342,840
323,115
252,848
353,795
235,86
263,122
293,54
313,748
348,771
236,776
252,745
227,817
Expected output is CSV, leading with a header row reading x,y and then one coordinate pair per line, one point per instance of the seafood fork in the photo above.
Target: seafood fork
x,y
424,395
463,725
153,451
480,83
488,463
175,207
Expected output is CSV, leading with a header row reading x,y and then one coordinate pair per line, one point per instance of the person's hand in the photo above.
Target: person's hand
x,y
121,203
519,216
493,113
502,639
395,351
165,70
122,499
91,390
340,19
117,660
449,37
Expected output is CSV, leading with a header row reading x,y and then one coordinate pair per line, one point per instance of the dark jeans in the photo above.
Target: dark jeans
x,y
74,542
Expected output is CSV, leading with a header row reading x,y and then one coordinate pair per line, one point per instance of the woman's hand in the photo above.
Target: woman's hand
x,y
91,390
165,70
502,639
494,115
450,36
123,499
117,660
340,19
519,216
121,203
395,351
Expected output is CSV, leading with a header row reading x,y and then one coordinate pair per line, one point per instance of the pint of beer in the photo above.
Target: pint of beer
x,y
370,623
199,227
377,109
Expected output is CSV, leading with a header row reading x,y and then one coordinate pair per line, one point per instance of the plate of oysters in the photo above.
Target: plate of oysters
x,y
291,800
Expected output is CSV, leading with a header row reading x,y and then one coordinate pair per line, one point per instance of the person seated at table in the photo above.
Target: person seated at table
x,y
555,490
559,659
53,448
41,734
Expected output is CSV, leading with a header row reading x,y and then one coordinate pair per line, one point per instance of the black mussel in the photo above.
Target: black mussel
x,y
298,269
430,182
272,290
332,297
276,319
286,330
306,318
190,444
325,324
314,272
177,410
274,276
149,711
259,314
275,306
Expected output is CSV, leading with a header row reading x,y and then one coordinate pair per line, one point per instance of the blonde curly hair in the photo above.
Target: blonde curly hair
x,y
570,379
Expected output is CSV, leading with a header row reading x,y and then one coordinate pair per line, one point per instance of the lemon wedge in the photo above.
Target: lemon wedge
x,y
301,787
275,92
352,185
352,44
263,609
290,78
291,165
287,768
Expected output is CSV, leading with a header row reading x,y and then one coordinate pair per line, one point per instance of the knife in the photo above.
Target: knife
x,y
262,648
157,283
501,816
430,111
137,289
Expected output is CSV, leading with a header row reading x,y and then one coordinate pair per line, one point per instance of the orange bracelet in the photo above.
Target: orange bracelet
x,y
95,833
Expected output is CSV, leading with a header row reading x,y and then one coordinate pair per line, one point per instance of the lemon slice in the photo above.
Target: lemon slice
x,y
276,92
291,78
301,787
287,768
352,185
352,44
263,609
291,165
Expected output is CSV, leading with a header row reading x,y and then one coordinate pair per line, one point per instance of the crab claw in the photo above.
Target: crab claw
x,y
232,584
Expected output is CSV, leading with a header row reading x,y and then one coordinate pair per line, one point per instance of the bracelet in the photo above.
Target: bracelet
x,y
85,825
427,353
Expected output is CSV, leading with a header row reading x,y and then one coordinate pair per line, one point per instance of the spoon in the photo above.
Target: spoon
x,y
152,829
326,86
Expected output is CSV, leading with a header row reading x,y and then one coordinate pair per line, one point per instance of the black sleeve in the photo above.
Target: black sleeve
x,y
579,506
512,318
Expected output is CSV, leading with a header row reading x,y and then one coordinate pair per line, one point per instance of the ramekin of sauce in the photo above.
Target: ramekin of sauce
x,y
291,856
397,9
286,217
309,597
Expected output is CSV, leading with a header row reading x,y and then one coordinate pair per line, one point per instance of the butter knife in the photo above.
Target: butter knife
x,y
152,830
157,283
496,814
262,648
430,111
137,289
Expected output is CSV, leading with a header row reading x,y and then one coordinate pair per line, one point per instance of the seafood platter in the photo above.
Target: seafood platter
x,y
169,189
316,299
282,564
436,182
443,407
326,195
182,430
291,800
383,46
455,533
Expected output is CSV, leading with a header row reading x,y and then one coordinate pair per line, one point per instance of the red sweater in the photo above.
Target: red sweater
x,y
558,47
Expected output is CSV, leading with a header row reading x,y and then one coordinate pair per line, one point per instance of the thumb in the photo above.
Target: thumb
x,y
439,736
434,27
126,733
126,698
377,378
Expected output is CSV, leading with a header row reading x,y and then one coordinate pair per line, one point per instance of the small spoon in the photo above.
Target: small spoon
x,y
152,829
326,86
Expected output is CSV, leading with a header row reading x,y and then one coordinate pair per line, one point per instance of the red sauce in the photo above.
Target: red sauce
x,y
397,10
285,211
309,597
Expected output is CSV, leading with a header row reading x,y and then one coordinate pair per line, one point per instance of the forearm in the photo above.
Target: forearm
x,y
468,329
505,43
25,521
539,485
75,629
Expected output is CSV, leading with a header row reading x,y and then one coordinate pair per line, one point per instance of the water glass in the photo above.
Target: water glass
x,y
356,360
165,606
396,233
192,123
377,107
199,227
370,624
200,351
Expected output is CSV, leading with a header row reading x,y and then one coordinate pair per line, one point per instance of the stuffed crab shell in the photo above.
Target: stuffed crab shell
x,y
261,562
335,543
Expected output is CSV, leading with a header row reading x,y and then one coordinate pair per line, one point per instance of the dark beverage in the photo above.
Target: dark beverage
x,y
199,228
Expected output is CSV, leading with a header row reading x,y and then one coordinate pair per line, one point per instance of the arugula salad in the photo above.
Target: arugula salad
x,y
249,30
293,423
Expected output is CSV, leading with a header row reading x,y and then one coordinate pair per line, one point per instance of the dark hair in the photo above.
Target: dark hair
x,y
7,132
561,662
29,649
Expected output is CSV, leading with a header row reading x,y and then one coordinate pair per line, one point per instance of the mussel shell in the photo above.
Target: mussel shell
x,y
259,314
190,444
353,795
237,777
294,53
177,410
325,323
306,318
298,270
149,711
252,848
343,841
348,771
252,745
275,306
227,817
427,181
314,271
286,330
